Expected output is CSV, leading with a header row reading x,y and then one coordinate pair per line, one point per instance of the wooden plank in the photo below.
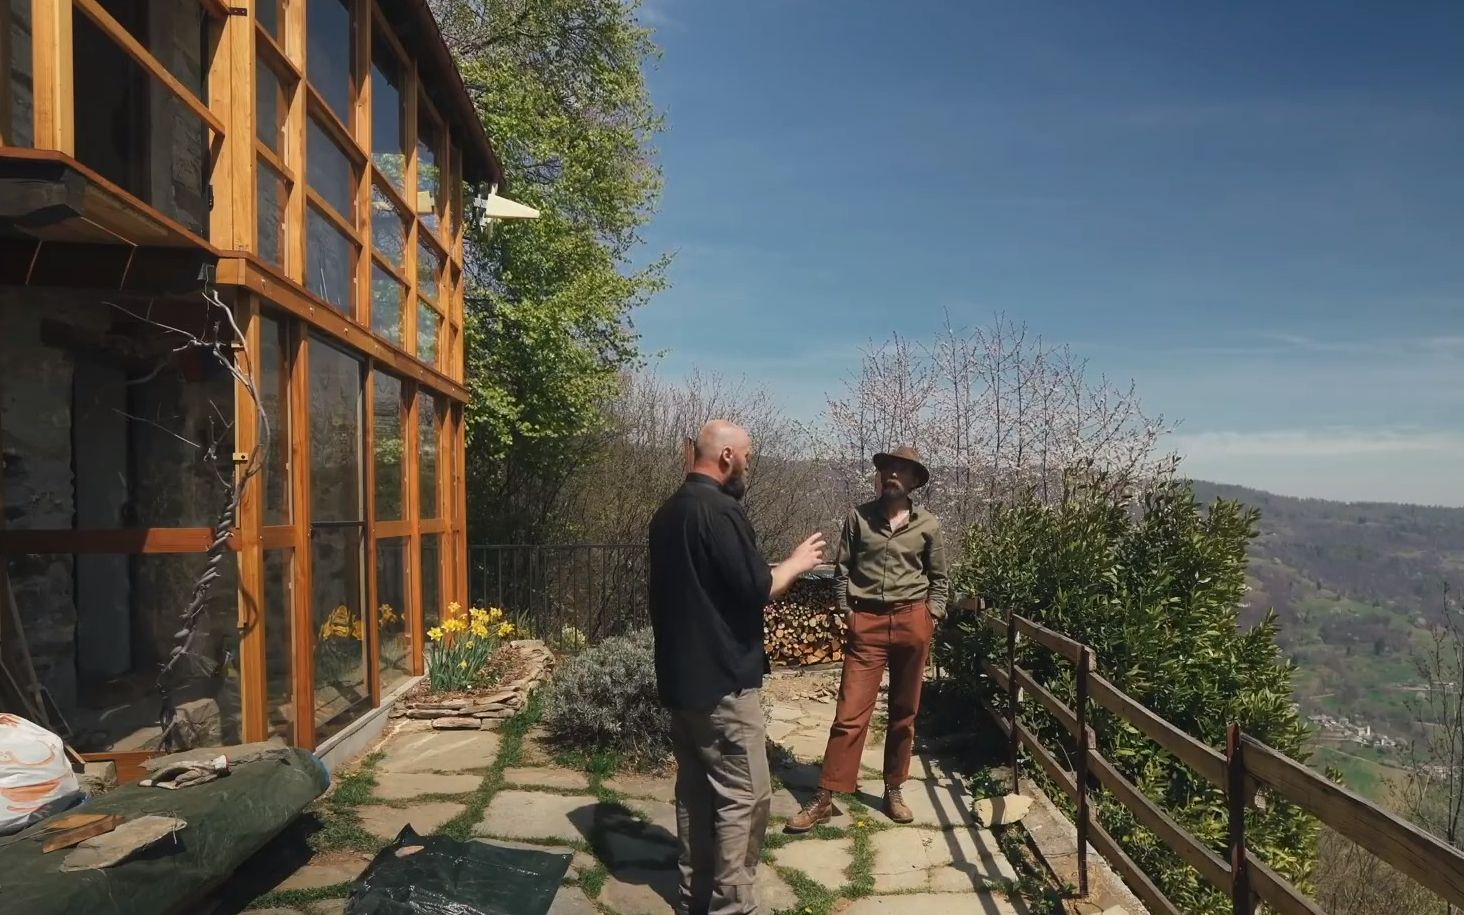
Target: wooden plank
x,y
995,623
1050,639
362,61
278,537
1277,892
53,76
252,636
265,279
144,58
1054,705
1189,849
129,541
98,824
1051,766
296,118
341,222
411,506
322,114
1204,760
1427,859
1150,895
274,55
304,641
128,763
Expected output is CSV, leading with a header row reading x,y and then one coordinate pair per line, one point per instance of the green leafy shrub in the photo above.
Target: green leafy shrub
x,y
1155,588
605,701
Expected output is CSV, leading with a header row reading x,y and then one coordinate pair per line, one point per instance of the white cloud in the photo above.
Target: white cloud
x,y
1316,443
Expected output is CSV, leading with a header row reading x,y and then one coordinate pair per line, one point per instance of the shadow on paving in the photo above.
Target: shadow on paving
x,y
635,852
267,868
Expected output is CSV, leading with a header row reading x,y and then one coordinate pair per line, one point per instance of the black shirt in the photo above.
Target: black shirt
x,y
708,587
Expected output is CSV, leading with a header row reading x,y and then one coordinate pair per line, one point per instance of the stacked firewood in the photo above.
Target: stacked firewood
x,y
804,626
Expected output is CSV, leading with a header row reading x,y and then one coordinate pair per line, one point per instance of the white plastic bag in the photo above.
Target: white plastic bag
x,y
36,780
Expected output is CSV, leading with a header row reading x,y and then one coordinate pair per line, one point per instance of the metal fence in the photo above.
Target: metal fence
x,y
576,593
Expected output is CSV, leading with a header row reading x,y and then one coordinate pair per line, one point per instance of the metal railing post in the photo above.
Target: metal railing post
x,y
1242,901
1085,743
1012,695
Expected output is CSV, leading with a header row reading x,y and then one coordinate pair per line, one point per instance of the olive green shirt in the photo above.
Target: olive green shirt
x,y
875,563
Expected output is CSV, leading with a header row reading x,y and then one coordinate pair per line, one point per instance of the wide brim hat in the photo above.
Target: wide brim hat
x,y
908,455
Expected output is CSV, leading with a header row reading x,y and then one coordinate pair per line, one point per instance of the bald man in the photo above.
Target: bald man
x,y
708,587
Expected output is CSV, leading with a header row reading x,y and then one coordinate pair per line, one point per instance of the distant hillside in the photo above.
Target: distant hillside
x,y
1354,585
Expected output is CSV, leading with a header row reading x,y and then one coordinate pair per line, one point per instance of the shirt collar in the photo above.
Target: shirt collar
x,y
703,479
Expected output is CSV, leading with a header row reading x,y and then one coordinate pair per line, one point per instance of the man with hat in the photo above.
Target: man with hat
x,y
892,586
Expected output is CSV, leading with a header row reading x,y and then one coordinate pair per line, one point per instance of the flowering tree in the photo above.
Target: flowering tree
x,y
996,411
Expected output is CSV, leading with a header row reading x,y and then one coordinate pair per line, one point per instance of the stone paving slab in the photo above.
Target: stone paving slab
x,y
656,788
424,818
641,891
401,786
571,900
548,777
657,813
312,876
942,804
327,907
824,861
534,815
944,903
445,751
941,860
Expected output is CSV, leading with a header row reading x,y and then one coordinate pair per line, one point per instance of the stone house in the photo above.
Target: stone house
x,y
305,169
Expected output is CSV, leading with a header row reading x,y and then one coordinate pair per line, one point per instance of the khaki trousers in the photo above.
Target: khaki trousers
x,y
724,793
900,639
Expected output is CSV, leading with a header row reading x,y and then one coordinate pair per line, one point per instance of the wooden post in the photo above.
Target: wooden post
x,y
1242,902
1014,742
252,623
1085,743
55,87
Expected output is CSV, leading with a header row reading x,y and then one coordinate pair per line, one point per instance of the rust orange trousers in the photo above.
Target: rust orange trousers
x,y
897,638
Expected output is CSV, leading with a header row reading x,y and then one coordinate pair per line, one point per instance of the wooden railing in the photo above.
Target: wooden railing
x,y
1246,766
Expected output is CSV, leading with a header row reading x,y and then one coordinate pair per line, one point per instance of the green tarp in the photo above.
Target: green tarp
x,y
228,821
437,875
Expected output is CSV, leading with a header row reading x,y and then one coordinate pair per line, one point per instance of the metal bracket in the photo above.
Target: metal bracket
x,y
241,457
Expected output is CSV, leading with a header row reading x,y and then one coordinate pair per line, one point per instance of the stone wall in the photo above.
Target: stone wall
x,y
90,437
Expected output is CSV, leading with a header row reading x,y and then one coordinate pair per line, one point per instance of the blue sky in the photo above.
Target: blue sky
x,y
1254,210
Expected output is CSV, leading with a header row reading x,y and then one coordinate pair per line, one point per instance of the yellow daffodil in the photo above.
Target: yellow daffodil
x,y
505,630
495,614
358,631
478,614
435,633
462,665
479,629
454,625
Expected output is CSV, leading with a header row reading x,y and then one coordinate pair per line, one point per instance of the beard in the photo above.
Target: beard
x,y
736,486
892,491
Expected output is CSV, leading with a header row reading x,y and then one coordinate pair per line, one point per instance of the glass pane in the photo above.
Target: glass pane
x,y
429,330
431,580
17,86
270,107
388,229
330,172
279,643
386,430
271,15
167,482
388,124
329,31
428,447
393,622
388,298
273,385
429,268
270,200
342,690
335,434
330,261
429,179
208,685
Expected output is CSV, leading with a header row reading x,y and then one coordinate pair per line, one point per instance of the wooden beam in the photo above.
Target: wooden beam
x,y
411,460
124,541
144,58
368,512
252,622
231,87
296,118
54,80
304,641
364,22
1204,760
265,279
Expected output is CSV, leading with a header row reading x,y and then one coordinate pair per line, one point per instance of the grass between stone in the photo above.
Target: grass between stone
x,y
510,750
341,828
293,899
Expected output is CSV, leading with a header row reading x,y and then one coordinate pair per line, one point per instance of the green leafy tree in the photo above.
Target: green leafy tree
x,y
1155,588
561,89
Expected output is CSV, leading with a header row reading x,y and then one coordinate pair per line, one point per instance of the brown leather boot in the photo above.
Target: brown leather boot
x,y
895,807
819,810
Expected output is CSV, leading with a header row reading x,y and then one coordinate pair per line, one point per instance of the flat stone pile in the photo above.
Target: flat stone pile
x,y
488,710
